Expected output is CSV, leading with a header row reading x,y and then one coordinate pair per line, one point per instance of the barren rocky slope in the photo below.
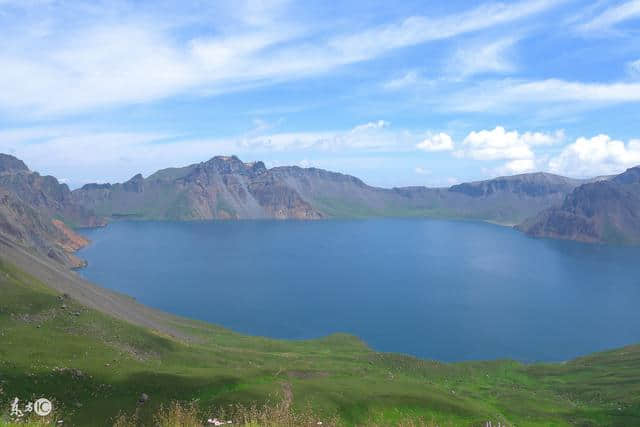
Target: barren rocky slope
x,y
221,188
38,212
606,211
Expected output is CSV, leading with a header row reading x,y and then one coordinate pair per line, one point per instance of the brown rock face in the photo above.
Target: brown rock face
x,y
32,211
606,211
72,241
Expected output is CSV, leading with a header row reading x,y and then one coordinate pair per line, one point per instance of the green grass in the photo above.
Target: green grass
x,y
344,208
94,367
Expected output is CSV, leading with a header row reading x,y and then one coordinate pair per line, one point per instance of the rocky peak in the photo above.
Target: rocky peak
x,y
257,168
135,184
9,163
226,165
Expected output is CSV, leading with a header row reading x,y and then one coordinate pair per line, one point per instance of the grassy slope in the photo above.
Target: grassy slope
x,y
95,366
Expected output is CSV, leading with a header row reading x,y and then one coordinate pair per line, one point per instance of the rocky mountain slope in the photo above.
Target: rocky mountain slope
x,y
37,212
227,188
221,188
603,211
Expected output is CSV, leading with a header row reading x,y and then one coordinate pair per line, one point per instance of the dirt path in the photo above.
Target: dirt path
x,y
287,394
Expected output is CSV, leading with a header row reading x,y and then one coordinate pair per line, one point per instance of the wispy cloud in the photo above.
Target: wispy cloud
x,y
611,17
421,29
77,64
410,79
480,57
501,95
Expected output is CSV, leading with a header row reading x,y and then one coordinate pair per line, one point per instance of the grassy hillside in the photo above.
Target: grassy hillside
x,y
94,367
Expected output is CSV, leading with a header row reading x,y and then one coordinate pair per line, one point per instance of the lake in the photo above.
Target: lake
x,y
446,290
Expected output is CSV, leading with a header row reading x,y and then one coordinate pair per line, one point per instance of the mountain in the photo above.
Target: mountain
x,y
606,211
227,188
38,212
221,188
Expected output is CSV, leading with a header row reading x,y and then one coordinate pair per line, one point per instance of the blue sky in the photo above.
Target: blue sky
x,y
397,93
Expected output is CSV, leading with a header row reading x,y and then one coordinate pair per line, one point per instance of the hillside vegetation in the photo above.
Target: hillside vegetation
x,y
95,368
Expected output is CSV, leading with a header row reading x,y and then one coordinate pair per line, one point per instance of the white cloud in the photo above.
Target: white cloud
x,y
421,29
612,16
599,155
438,142
509,94
519,166
78,61
379,124
500,144
422,171
482,57
371,136
541,138
515,147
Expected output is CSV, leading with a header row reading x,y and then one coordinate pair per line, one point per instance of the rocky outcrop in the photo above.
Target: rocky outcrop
x,y
44,193
10,164
29,228
606,211
37,212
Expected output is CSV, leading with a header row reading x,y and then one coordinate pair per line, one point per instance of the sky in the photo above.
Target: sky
x,y
397,93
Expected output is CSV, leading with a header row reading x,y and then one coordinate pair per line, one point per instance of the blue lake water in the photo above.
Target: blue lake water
x,y
447,290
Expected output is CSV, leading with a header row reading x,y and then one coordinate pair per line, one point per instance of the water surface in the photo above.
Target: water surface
x,y
448,290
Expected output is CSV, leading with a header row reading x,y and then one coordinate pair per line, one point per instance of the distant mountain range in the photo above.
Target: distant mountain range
x,y
227,188
39,212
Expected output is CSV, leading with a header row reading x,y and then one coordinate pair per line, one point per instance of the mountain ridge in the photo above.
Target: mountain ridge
x,y
605,211
224,187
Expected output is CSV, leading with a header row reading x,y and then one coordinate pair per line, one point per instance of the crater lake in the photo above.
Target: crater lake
x,y
445,290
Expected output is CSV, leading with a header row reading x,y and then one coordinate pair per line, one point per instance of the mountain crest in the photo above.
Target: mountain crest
x,y
135,184
226,165
630,176
9,163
